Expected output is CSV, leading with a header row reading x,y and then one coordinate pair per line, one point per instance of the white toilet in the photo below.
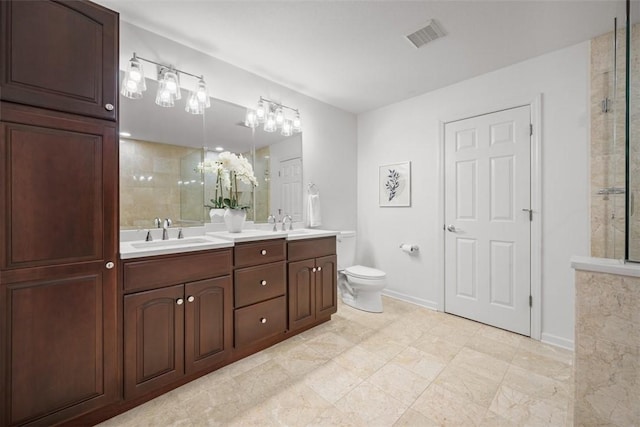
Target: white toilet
x,y
360,287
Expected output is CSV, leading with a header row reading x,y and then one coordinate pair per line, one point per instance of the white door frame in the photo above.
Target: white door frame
x,y
535,105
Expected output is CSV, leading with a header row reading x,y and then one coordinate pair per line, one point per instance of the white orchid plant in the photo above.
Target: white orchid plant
x,y
229,168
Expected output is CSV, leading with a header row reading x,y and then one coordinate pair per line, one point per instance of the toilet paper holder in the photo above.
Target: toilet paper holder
x,y
409,248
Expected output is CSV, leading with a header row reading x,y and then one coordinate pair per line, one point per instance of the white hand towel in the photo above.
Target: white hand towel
x,y
313,210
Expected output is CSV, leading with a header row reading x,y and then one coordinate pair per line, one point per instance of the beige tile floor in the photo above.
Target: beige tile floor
x,y
408,366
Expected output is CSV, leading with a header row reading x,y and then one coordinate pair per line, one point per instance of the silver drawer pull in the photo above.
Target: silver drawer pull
x,y
179,301
319,268
263,320
109,265
263,282
108,107
314,269
191,298
263,252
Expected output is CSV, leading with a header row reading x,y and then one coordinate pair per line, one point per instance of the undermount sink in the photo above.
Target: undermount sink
x,y
298,231
170,243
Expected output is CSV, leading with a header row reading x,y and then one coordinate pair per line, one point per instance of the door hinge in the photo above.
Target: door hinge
x,y
530,301
530,129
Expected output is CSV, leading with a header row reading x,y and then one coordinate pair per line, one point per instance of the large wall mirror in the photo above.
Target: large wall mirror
x,y
162,147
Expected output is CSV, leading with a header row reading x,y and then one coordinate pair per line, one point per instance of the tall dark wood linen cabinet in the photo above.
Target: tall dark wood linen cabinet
x,y
58,210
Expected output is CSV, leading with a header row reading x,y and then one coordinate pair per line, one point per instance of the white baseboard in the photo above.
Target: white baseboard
x,y
413,300
557,341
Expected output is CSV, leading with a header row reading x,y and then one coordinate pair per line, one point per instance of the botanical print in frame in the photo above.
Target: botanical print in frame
x,y
395,184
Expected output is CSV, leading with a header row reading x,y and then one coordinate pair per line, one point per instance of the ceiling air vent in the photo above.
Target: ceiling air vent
x,y
429,33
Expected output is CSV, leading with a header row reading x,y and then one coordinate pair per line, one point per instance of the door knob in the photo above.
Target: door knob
x,y
263,252
319,268
108,107
263,320
314,269
263,282
451,228
109,265
179,301
191,298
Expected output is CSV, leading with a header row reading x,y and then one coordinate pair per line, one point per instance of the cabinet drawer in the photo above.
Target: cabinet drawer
x,y
260,283
259,321
263,252
312,248
154,273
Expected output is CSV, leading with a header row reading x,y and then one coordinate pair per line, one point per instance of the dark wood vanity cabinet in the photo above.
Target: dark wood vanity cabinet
x,y
60,55
173,331
312,275
260,284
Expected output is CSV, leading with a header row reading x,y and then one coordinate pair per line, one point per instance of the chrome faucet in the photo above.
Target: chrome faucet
x,y
269,218
165,228
284,222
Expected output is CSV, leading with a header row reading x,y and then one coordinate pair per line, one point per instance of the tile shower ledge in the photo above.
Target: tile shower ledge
x,y
605,265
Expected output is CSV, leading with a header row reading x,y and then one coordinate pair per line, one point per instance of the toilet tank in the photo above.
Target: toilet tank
x,y
346,249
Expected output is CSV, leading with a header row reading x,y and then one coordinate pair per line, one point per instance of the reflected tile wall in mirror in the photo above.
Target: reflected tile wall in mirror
x,y
155,180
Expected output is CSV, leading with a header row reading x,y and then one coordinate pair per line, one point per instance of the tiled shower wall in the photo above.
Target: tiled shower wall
x,y
608,151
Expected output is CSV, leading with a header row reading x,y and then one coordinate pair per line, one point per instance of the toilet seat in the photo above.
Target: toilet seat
x,y
362,272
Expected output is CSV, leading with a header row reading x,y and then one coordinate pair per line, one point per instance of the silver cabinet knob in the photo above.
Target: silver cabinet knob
x,y
263,320
263,252
109,107
451,228
191,298
109,265
314,269
263,282
179,301
319,268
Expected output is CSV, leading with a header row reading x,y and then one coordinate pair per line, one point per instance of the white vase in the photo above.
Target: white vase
x,y
216,215
234,219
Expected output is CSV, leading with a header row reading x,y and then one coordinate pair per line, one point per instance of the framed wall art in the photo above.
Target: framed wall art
x,y
395,184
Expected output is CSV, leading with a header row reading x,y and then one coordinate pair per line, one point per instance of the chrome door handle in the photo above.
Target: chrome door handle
x,y
451,228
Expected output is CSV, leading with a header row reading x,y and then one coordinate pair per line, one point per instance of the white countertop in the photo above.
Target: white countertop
x,y
248,235
605,265
137,249
198,240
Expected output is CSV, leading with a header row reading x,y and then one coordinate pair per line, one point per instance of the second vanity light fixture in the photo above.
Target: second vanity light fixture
x,y
134,84
272,114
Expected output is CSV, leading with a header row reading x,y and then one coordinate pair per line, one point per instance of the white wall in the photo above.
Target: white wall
x,y
409,130
329,134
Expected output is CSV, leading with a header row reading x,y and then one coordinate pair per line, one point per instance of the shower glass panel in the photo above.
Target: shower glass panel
x,y
608,144
633,138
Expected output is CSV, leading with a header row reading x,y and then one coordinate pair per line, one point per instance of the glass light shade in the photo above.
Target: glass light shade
x,y
297,125
172,84
133,83
279,117
194,106
198,99
287,128
164,96
261,112
251,119
270,123
202,93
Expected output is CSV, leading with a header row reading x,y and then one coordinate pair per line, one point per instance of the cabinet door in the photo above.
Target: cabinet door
x,y
61,55
302,298
153,339
60,348
326,287
58,188
208,323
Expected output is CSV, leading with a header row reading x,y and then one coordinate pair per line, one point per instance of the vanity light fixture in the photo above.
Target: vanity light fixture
x,y
272,114
134,84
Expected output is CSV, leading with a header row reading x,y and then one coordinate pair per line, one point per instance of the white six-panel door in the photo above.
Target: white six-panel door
x,y
488,228
291,184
